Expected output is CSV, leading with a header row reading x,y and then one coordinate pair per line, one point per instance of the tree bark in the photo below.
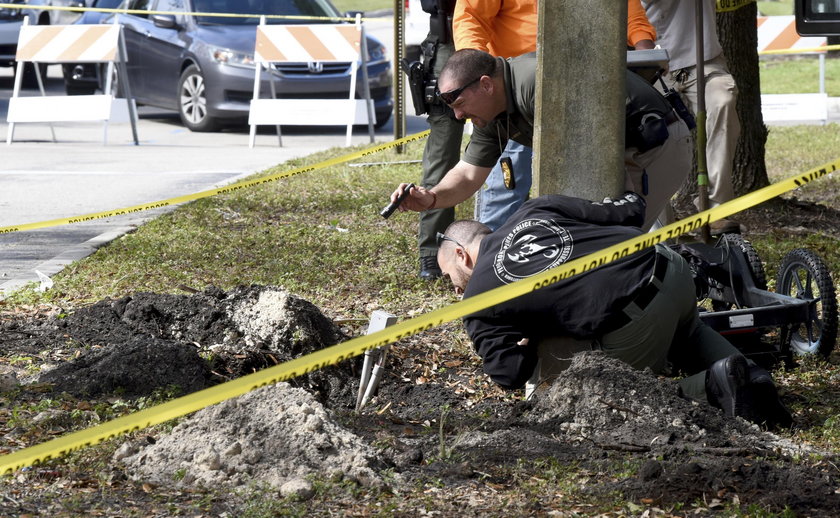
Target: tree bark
x,y
738,36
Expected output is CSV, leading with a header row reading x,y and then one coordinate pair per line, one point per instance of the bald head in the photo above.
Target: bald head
x,y
457,254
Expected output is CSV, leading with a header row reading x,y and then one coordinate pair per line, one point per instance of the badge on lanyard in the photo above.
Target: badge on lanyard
x,y
507,172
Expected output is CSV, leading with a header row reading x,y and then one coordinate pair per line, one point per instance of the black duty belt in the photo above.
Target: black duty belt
x,y
643,296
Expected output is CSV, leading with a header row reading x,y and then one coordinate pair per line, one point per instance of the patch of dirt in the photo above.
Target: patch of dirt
x,y
436,416
788,214
148,341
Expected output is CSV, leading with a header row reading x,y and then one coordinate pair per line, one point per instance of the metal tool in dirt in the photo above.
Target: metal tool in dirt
x,y
372,369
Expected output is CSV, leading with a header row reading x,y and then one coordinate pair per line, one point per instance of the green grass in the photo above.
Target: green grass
x,y
318,234
798,75
775,8
363,5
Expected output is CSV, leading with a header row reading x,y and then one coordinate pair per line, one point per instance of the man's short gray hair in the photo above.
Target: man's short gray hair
x,y
465,231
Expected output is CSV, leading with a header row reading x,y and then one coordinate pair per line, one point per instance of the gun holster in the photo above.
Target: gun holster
x,y
416,84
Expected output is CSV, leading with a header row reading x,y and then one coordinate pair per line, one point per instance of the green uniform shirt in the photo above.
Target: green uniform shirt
x,y
517,122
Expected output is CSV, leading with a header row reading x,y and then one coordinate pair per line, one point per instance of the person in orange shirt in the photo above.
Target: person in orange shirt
x,y
506,29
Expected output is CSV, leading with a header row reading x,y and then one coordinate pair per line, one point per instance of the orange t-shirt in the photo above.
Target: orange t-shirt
x,y
509,28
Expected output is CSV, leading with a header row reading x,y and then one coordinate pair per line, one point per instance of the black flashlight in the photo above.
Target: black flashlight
x,y
387,211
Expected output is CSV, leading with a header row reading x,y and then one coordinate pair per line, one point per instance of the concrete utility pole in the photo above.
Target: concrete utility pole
x,y
579,126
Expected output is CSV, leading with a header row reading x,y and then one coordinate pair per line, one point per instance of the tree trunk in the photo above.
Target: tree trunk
x,y
739,38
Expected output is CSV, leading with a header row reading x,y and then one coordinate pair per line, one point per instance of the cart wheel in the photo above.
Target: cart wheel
x,y
804,276
753,261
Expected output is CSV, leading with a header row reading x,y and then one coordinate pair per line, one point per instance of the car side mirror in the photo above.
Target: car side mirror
x,y
817,17
164,21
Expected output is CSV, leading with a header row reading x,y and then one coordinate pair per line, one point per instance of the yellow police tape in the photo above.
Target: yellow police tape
x,y
190,403
175,13
723,6
213,192
824,48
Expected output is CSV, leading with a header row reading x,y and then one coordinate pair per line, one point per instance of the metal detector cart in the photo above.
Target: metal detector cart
x,y
799,318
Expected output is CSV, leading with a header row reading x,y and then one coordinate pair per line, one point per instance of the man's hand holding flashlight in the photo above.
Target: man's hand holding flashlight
x,y
418,199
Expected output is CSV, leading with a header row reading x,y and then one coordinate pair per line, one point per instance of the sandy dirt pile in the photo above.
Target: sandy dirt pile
x,y
275,435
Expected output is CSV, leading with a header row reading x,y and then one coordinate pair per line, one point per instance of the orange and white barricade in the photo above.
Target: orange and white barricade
x,y
314,44
71,44
777,35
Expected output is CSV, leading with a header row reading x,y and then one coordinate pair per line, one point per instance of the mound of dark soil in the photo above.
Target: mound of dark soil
x,y
425,422
147,341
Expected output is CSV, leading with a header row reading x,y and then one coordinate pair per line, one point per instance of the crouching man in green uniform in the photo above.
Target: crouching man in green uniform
x,y
640,309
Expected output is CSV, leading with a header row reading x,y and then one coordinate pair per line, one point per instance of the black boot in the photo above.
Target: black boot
x,y
725,381
766,407
429,268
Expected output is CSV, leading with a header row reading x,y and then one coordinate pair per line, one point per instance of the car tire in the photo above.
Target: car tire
x,y
73,89
192,101
382,119
29,79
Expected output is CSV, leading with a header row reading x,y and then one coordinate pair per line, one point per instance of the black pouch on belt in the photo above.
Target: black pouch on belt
x,y
679,106
651,132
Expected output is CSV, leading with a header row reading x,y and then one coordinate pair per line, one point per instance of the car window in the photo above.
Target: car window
x,y
143,5
170,5
106,4
318,8
10,14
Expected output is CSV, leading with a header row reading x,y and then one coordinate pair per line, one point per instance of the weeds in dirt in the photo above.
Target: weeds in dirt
x,y
320,236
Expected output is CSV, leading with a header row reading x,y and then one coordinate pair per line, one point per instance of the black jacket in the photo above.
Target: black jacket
x,y
544,233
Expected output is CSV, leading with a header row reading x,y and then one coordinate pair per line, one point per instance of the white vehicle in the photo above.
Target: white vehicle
x,y
416,28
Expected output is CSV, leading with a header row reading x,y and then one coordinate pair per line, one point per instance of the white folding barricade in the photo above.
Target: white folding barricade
x,y
71,44
323,43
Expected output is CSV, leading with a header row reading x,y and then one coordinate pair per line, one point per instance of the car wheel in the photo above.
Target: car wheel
x,y
30,80
192,101
82,89
382,119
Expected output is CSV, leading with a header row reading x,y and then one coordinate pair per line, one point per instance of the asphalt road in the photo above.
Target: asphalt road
x,y
42,180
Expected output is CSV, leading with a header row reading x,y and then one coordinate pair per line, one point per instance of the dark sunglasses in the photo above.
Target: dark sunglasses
x,y
452,95
441,238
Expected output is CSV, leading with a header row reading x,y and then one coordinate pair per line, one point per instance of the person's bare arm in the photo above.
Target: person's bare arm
x,y
461,182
